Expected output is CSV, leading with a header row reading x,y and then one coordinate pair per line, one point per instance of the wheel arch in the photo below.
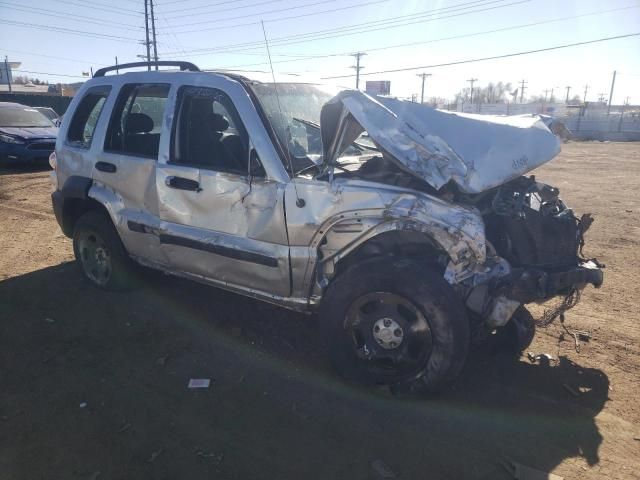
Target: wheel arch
x,y
74,202
435,243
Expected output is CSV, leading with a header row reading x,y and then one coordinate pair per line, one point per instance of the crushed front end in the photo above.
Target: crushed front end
x,y
534,252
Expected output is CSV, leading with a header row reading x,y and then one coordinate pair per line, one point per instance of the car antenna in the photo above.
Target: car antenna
x,y
299,201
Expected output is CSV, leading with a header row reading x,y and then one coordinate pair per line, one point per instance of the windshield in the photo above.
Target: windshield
x,y
297,119
23,117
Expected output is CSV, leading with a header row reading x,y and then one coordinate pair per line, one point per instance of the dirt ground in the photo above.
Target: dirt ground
x,y
93,384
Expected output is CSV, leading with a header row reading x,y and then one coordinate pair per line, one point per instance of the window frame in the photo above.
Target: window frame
x,y
235,118
119,105
106,90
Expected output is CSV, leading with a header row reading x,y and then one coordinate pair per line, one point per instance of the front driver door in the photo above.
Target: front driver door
x,y
218,222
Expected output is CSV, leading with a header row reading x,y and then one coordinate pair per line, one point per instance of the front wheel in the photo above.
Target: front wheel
x,y
394,322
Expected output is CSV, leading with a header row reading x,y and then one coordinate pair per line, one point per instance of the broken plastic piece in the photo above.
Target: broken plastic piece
x,y
199,383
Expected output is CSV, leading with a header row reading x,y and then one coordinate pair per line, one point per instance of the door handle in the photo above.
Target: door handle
x,y
105,167
182,184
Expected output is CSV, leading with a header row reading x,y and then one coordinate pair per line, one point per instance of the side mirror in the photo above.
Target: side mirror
x,y
255,165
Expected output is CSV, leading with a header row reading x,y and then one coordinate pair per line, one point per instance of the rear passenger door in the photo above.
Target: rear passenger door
x,y
127,164
218,221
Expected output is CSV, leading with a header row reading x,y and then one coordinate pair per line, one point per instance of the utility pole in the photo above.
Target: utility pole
x,y
146,31
153,31
7,72
613,83
522,87
423,75
472,81
601,97
566,100
117,70
586,89
357,67
546,92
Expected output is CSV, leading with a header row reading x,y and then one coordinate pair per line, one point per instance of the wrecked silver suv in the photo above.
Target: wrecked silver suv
x,y
407,229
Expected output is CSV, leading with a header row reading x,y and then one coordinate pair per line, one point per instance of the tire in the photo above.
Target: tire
x,y
100,254
387,293
516,336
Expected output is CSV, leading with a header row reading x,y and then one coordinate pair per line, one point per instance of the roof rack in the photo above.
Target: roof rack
x,y
159,63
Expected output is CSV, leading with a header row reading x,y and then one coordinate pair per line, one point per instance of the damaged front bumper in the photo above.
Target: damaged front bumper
x,y
527,285
497,300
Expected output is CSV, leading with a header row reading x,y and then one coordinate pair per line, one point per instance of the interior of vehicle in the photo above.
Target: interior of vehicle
x,y
210,134
137,120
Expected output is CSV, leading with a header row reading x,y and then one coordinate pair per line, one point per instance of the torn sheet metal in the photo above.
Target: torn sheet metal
x,y
477,152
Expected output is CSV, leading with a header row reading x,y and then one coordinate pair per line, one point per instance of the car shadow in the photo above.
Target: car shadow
x,y
97,382
31,167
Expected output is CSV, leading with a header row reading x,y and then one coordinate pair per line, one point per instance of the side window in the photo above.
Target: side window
x,y
85,118
209,132
136,121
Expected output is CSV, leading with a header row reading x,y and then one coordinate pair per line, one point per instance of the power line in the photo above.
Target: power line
x,y
424,42
495,57
218,10
76,60
362,25
93,3
49,73
93,7
238,25
69,16
68,30
340,31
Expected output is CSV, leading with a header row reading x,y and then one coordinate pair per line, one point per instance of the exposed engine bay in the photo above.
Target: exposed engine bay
x,y
534,241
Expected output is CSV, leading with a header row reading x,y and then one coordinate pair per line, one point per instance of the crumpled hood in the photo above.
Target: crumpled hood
x,y
30,133
477,152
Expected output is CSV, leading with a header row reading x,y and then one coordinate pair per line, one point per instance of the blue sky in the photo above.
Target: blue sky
x,y
317,43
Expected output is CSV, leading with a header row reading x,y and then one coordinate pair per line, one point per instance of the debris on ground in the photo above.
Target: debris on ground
x,y
522,472
382,470
49,320
155,455
83,405
162,360
215,457
570,390
577,336
199,383
543,358
124,428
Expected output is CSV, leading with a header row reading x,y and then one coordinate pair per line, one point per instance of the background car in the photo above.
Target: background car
x,y
50,113
26,135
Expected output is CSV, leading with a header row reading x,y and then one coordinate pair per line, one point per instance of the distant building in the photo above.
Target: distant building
x,y
378,87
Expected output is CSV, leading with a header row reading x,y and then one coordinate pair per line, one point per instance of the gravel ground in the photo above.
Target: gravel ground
x,y
93,384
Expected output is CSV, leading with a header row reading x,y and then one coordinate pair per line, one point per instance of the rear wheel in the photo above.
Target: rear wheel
x,y
394,322
100,253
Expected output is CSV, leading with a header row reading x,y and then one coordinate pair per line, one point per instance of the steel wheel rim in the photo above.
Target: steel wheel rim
x,y
389,334
95,257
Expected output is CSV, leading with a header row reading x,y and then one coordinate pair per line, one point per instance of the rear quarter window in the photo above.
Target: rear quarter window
x,y
85,118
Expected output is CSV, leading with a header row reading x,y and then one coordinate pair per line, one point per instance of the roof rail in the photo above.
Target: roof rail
x,y
160,63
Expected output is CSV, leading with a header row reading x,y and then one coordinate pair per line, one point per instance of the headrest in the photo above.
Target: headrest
x,y
218,122
138,123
